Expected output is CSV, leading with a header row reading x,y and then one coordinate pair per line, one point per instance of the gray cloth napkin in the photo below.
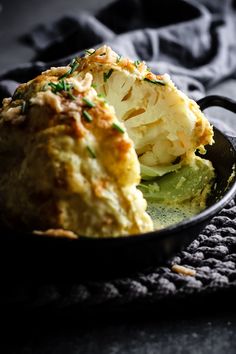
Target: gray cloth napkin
x,y
195,42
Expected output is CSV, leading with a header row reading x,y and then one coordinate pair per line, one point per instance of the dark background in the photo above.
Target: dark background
x,y
18,17
186,330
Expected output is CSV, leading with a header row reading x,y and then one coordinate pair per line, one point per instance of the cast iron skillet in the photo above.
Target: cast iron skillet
x,y
40,258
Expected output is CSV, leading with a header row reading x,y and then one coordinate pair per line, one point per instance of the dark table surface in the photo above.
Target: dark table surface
x,y
152,332
186,330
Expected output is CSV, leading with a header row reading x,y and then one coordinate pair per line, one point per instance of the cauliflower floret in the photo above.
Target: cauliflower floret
x,y
163,122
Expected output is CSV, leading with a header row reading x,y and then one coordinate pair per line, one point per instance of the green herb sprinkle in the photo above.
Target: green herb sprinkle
x,y
24,107
73,66
91,152
87,116
137,62
87,51
118,128
107,75
118,58
88,102
156,82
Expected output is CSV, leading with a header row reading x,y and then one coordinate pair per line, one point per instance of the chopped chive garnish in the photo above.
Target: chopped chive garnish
x,y
118,58
101,95
107,75
94,85
66,86
88,102
64,75
63,85
156,82
60,86
88,51
137,62
71,96
118,128
91,152
17,95
23,107
87,116
53,86
73,66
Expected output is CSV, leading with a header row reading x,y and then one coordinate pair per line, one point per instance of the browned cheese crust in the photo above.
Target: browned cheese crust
x,y
67,162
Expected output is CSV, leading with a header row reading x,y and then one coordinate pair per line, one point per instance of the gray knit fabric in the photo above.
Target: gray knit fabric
x,y
212,255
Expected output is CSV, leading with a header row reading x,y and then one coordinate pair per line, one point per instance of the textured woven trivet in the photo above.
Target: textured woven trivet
x,y
212,255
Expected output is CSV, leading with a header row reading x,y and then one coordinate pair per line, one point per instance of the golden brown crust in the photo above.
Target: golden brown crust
x,y
67,163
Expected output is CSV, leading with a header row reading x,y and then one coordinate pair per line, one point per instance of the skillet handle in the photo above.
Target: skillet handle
x,y
220,101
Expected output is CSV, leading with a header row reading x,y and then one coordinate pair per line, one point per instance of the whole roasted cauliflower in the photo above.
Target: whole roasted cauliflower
x,y
73,139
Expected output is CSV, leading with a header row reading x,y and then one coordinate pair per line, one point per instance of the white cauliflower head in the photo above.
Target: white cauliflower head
x,y
164,124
